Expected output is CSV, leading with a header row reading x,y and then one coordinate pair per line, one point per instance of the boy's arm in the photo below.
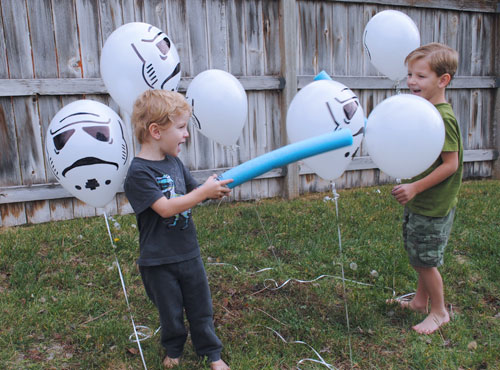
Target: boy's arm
x,y
406,192
212,188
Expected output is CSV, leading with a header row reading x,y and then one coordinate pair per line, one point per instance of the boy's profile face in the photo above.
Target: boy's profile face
x,y
423,81
175,134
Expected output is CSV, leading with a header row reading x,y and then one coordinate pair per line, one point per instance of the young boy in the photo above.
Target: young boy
x,y
162,192
430,198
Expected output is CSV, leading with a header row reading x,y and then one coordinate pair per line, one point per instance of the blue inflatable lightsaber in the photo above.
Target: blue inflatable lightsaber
x,y
286,155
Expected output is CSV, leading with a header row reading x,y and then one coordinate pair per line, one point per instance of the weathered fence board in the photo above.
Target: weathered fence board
x,y
49,56
288,69
217,25
69,66
272,66
488,6
72,86
30,155
44,66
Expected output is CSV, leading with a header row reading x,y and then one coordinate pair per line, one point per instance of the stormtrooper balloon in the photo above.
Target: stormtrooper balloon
x,y
136,57
321,107
87,151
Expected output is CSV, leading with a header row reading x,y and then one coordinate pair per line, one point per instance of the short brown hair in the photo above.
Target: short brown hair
x,y
442,58
156,106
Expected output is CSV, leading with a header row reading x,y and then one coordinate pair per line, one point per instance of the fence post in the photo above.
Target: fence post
x,y
496,109
496,132
288,57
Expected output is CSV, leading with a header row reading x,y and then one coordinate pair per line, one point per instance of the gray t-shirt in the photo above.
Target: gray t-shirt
x,y
161,240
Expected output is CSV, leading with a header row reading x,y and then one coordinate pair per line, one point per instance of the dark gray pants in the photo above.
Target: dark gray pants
x,y
174,287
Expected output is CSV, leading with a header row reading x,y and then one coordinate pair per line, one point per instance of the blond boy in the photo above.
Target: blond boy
x,y
162,192
430,198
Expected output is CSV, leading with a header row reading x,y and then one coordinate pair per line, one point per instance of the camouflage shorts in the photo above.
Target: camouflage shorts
x,y
425,238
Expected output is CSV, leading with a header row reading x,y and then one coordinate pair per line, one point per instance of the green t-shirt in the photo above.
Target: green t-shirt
x,y
441,198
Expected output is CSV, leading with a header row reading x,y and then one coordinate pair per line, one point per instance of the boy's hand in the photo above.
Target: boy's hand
x,y
404,193
216,189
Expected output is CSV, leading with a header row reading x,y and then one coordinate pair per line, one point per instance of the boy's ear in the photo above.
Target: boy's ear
x,y
444,80
154,131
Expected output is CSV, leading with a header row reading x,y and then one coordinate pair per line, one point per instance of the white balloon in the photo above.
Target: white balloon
x,y
136,57
87,150
321,107
388,38
220,105
404,135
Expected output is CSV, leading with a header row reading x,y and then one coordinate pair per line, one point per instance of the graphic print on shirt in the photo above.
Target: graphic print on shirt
x,y
167,187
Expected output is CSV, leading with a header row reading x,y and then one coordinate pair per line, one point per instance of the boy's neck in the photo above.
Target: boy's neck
x,y
438,98
150,152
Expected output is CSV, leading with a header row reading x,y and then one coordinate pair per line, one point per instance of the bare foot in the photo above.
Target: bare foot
x,y
431,323
169,363
407,304
219,365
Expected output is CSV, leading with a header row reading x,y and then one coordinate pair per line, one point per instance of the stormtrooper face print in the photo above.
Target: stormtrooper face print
x,y
160,62
86,146
345,112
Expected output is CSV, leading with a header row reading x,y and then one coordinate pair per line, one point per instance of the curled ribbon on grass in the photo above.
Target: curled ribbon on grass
x,y
276,286
143,333
404,297
236,268
279,286
321,361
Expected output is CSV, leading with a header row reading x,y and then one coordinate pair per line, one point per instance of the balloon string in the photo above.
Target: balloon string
x,y
321,361
335,198
265,233
397,87
124,290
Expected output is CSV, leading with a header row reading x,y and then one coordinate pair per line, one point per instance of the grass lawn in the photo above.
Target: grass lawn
x,y
62,305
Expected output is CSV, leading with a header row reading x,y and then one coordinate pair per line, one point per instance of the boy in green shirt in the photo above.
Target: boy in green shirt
x,y
431,197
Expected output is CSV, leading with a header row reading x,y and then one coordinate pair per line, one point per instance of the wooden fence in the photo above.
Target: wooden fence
x,y
50,50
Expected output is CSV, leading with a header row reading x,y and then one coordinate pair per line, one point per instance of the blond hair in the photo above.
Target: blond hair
x,y
442,58
156,106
